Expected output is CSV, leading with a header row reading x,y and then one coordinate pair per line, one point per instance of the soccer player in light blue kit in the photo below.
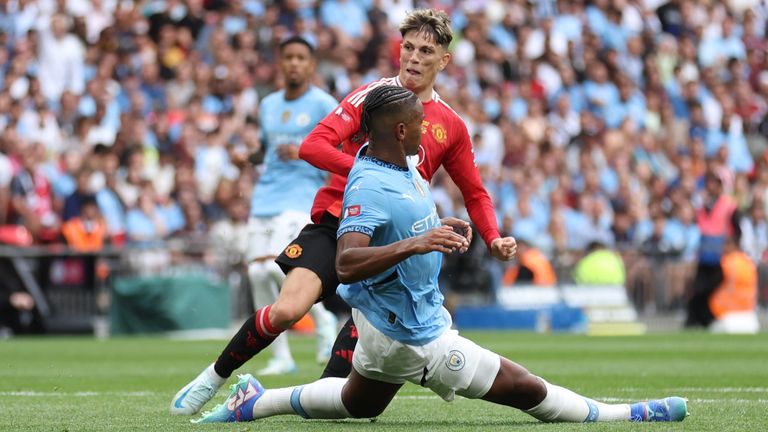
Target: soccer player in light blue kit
x,y
283,195
390,249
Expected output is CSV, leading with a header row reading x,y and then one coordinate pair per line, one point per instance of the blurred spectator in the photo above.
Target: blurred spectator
x,y
230,234
74,202
145,223
87,231
108,200
754,233
732,305
600,266
716,226
532,267
32,197
61,59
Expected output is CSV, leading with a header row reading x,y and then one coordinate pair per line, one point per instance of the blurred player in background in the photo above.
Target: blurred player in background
x,y
284,192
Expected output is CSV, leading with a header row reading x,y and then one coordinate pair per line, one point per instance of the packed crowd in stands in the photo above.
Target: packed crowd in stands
x,y
594,122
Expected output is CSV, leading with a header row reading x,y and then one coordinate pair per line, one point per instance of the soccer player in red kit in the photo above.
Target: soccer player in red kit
x,y
309,260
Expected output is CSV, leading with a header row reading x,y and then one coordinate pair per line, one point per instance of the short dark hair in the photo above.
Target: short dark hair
x,y
297,40
392,98
433,22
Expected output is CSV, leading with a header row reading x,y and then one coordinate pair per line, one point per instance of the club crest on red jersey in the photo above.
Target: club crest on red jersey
x,y
439,133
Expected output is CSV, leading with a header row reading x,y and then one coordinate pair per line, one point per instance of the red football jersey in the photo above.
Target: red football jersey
x,y
444,141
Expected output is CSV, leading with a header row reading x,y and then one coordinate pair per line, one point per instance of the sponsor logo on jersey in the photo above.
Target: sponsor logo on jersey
x,y
352,211
424,126
455,361
425,224
293,251
285,116
343,114
438,131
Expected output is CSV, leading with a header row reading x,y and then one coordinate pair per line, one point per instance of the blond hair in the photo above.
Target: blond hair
x,y
433,22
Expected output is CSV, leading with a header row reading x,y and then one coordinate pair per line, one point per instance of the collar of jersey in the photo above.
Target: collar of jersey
x,y
382,163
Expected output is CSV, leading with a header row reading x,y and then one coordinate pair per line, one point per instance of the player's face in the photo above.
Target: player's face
x,y
412,138
296,64
421,58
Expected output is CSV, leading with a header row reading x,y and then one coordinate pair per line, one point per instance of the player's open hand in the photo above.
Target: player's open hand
x,y
504,248
441,239
287,152
460,227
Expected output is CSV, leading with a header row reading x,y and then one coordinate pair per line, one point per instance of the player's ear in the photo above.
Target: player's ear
x,y
445,59
400,131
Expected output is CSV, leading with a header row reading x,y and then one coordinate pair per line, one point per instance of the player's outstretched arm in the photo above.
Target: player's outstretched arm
x,y
356,260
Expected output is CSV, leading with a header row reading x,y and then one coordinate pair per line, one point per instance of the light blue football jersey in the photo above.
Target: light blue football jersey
x,y
391,203
288,185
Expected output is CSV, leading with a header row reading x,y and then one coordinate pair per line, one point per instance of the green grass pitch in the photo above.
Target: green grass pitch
x,y
81,384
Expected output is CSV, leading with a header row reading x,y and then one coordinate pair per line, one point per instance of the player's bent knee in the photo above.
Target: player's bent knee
x,y
284,315
516,387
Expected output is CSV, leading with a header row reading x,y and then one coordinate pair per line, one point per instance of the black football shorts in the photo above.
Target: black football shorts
x,y
315,249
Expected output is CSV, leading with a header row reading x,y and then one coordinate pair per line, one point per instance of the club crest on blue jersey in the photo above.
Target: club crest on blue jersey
x,y
302,119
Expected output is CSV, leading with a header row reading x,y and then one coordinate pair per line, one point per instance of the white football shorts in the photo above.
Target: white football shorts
x,y
449,365
268,236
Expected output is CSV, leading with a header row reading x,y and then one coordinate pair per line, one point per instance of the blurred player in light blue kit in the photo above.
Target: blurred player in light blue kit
x,y
390,246
285,190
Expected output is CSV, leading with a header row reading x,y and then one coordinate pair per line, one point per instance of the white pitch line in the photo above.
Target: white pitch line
x,y
75,394
621,400
727,389
704,389
662,390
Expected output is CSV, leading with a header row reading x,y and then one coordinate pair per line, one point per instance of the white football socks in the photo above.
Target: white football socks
x,y
320,399
563,405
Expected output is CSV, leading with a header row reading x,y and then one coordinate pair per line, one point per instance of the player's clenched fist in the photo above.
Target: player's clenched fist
x,y
441,239
504,248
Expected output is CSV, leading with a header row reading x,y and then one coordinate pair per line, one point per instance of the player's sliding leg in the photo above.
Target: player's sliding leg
x,y
300,290
265,277
327,398
516,387
340,363
325,329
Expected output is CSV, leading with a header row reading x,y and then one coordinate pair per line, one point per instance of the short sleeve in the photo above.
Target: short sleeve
x,y
365,209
